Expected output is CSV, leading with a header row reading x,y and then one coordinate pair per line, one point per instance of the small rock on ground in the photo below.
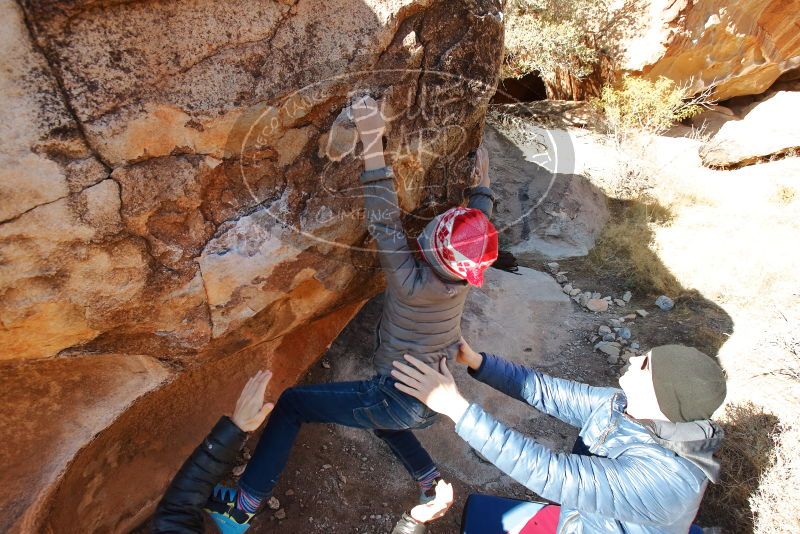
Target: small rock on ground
x,y
642,313
665,303
627,296
597,305
610,349
273,503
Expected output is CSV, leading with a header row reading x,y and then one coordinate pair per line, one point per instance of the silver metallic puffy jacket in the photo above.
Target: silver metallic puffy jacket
x,y
646,477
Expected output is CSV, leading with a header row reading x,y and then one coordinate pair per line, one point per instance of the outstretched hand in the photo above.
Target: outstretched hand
x,y
482,167
436,389
437,507
371,126
251,410
368,118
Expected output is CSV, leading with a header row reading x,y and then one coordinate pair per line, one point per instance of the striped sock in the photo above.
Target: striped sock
x,y
246,502
427,482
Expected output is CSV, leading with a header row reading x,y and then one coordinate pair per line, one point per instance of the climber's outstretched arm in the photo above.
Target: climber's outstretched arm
x,y
382,211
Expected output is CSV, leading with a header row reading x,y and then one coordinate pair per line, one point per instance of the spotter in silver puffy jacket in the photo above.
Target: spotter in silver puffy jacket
x,y
642,477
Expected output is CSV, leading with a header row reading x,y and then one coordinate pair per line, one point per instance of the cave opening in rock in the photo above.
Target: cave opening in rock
x,y
529,88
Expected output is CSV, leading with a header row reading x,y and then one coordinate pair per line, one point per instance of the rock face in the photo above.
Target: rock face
x,y
740,47
547,211
767,128
175,212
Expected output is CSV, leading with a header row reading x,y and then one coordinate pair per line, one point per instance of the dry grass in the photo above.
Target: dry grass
x,y
745,455
624,248
760,467
761,464
784,195
774,503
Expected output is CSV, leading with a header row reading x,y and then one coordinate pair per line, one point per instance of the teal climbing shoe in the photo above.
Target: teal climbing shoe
x,y
221,507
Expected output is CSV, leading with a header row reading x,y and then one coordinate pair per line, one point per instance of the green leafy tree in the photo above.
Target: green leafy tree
x,y
546,36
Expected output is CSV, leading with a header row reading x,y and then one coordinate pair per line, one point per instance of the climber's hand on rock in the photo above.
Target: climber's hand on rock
x,y
368,118
370,124
435,389
467,356
251,410
482,167
437,507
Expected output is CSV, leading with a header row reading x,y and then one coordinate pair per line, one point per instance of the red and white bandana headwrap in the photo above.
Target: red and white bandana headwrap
x,y
463,243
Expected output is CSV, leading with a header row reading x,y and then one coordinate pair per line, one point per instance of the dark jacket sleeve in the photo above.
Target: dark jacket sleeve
x,y
385,226
180,510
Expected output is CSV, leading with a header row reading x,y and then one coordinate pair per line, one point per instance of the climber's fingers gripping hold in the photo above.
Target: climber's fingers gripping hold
x,y
368,118
482,167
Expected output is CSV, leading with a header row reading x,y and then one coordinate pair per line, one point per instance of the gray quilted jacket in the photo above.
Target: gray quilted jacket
x,y
422,307
642,477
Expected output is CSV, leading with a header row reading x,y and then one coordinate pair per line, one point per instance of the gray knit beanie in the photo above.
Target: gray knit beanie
x,y
689,385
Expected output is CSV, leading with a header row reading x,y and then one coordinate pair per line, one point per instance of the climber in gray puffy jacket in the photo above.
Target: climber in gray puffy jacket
x,y
647,447
425,296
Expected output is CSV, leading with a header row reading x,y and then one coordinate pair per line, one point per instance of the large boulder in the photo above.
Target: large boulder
x,y
739,48
179,206
547,211
768,128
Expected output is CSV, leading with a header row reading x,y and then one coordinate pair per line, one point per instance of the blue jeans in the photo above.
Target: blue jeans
x,y
373,404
